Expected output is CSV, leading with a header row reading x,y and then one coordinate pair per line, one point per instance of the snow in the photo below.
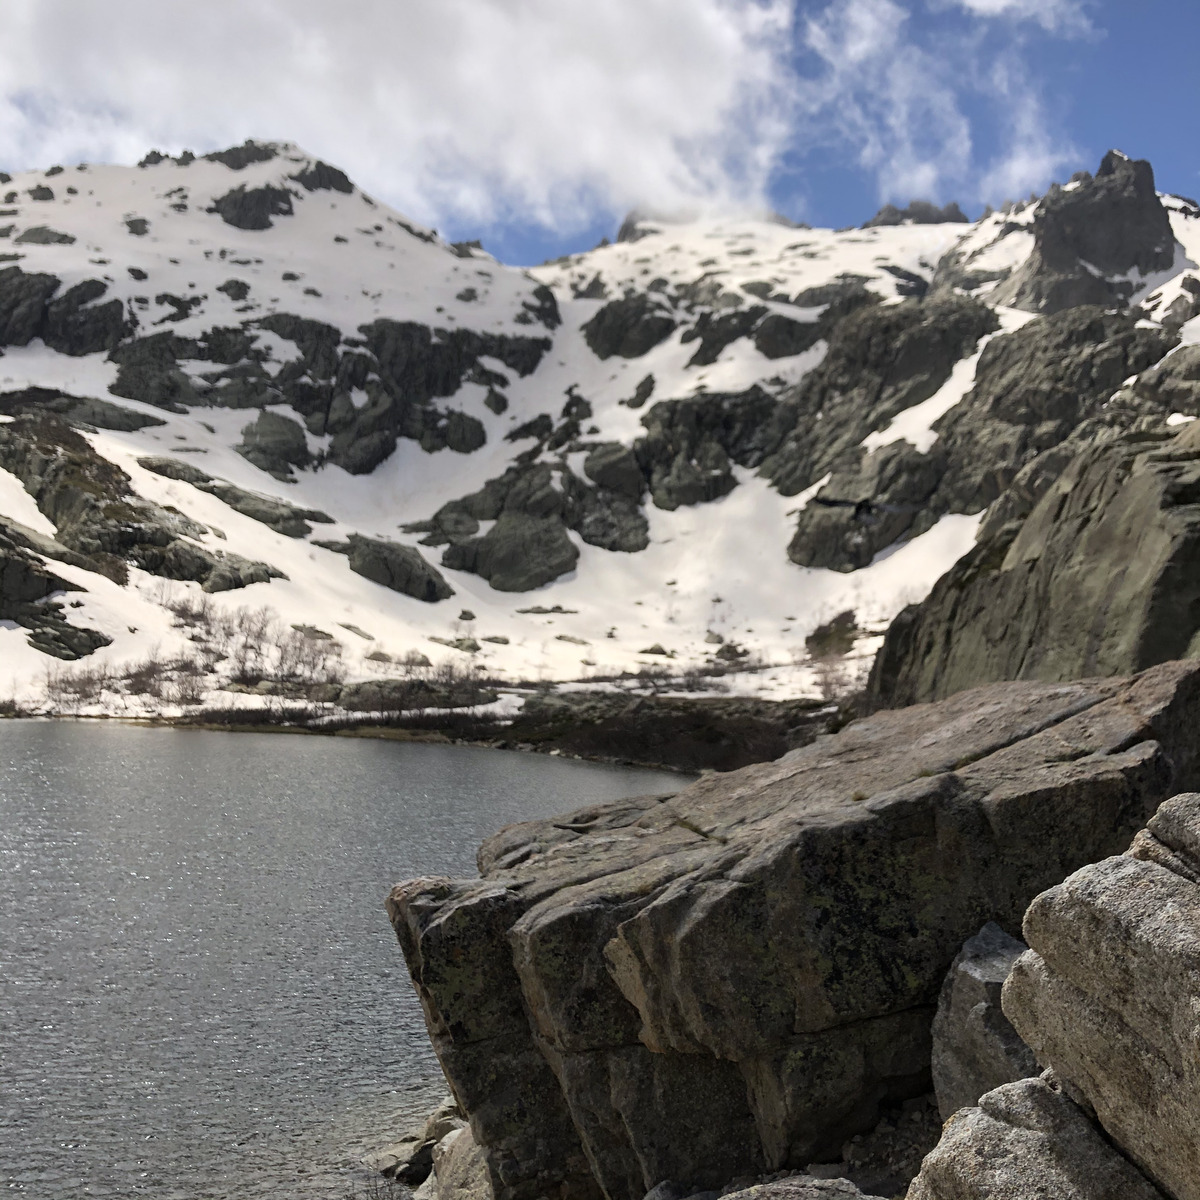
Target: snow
x,y
719,567
35,366
915,425
16,504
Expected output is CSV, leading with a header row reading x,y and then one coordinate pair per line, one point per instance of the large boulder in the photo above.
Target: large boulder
x,y
520,552
799,1187
975,1048
629,327
734,980
275,444
1027,1139
400,568
1109,991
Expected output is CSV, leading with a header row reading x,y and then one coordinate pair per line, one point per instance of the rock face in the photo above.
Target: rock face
x,y
398,567
71,323
919,212
733,980
99,519
1027,1139
1090,237
800,1187
1099,578
25,590
461,1168
278,515
518,553
629,327
1108,993
975,1049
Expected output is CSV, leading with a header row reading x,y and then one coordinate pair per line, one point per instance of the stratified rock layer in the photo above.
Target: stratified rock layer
x,y
733,980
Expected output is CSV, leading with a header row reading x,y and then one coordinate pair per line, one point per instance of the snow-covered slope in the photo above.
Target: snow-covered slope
x,y
632,438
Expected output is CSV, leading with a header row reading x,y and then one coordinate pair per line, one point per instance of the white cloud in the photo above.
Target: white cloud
x,y
1054,16
473,112
904,99
455,109
1032,155
880,92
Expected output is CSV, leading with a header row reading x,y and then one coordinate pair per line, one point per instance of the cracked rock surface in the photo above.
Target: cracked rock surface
x,y
736,979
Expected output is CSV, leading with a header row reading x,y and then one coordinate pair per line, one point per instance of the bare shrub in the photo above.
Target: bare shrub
x,y
188,682
147,677
414,664
72,688
833,677
250,643
309,659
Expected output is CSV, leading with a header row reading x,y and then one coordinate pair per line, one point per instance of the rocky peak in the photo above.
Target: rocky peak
x,y
918,212
1095,240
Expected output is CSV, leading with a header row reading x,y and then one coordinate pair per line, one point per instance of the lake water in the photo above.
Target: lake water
x,y
200,995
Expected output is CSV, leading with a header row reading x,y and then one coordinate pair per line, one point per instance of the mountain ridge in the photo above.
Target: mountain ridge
x,y
643,433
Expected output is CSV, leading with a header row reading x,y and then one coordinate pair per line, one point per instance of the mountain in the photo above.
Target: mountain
x,y
253,420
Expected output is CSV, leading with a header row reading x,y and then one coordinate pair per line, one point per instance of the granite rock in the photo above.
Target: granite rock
x,y
761,954
975,1049
1109,992
1027,1139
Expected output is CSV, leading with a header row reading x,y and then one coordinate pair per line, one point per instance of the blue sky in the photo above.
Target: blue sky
x,y
535,124
1130,79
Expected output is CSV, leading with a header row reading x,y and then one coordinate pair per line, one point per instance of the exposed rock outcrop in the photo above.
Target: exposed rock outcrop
x,y
735,979
975,1048
1107,994
518,553
533,506
278,515
1098,579
1094,240
83,411
26,586
918,212
395,566
71,323
253,208
629,327
1027,1139
98,516
1035,388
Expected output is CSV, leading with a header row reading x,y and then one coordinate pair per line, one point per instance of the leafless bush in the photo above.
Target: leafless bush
x,y
309,659
72,688
414,664
250,643
833,677
147,677
187,683
195,609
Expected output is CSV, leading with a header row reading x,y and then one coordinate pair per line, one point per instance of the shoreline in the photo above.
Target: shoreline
x,y
687,736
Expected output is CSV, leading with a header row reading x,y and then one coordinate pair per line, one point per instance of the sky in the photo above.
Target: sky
x,y
534,125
